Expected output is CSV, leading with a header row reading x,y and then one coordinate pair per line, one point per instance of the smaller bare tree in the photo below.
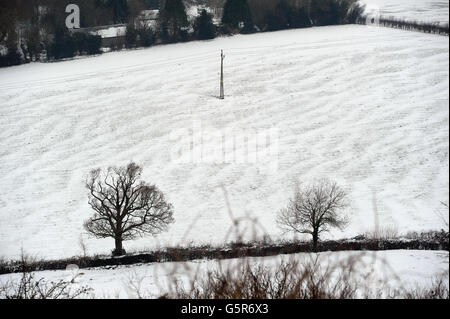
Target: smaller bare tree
x,y
125,207
315,209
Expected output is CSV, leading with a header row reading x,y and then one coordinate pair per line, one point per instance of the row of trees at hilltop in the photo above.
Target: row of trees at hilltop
x,y
245,16
30,27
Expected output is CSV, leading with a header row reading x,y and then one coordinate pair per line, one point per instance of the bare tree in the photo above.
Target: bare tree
x,y
314,209
125,207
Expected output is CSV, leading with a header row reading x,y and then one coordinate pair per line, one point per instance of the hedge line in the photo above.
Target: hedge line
x,y
426,241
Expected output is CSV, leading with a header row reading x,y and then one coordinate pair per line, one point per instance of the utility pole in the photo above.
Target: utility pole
x,y
222,93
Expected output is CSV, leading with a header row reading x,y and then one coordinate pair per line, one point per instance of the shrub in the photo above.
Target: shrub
x,y
306,280
30,288
289,280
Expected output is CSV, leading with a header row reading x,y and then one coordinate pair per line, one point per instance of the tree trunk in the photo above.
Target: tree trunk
x,y
118,251
315,235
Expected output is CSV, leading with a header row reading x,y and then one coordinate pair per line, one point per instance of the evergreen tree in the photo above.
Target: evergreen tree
x,y
326,12
173,20
63,46
235,13
204,27
300,19
131,36
278,19
11,58
146,36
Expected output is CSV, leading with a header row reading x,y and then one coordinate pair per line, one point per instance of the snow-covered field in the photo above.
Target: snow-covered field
x,y
379,272
419,10
365,106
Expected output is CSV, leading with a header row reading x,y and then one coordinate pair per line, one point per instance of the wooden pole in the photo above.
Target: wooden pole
x,y
222,92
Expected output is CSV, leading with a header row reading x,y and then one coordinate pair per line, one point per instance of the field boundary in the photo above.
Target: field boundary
x,y
408,25
424,241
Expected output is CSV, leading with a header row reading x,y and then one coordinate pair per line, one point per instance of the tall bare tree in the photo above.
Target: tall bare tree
x,y
124,206
315,209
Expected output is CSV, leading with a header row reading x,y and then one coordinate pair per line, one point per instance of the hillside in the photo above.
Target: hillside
x,y
419,10
367,107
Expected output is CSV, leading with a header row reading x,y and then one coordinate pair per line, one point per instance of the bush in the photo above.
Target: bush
x,y
30,288
290,280
310,279
204,28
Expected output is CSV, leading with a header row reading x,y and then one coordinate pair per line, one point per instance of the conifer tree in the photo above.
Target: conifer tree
x,y
203,26
236,13
173,20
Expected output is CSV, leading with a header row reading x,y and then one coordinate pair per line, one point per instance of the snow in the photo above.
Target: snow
x,y
383,271
194,11
112,32
364,106
420,10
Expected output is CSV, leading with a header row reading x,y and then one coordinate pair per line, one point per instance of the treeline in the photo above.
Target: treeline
x,y
241,16
409,25
33,30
